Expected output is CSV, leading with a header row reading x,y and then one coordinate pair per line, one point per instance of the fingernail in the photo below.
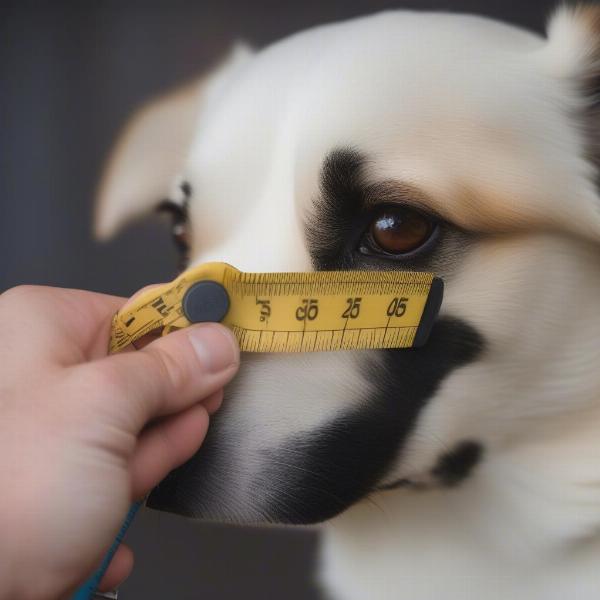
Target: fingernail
x,y
215,346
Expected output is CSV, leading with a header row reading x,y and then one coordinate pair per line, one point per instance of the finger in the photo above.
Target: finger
x,y
54,325
103,338
166,445
213,402
59,326
119,569
140,292
165,377
103,343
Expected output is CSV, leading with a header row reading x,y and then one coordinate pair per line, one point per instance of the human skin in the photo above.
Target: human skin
x,y
83,434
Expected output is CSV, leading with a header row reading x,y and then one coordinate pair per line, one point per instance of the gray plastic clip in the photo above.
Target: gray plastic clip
x,y
205,301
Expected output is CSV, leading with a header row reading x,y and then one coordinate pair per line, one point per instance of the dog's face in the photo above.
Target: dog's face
x,y
403,141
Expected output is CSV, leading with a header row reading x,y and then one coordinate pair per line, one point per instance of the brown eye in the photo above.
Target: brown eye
x,y
399,231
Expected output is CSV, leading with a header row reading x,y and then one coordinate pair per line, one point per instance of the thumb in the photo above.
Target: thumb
x,y
168,375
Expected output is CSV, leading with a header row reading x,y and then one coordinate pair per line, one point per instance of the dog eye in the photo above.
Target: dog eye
x,y
395,231
180,230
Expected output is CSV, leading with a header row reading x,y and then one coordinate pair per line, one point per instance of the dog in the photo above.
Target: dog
x,y
456,144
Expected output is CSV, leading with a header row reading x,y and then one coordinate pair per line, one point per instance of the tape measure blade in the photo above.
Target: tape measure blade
x,y
362,298
295,312
430,312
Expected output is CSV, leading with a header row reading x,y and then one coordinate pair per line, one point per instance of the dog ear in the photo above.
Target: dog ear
x,y
573,54
152,148
574,41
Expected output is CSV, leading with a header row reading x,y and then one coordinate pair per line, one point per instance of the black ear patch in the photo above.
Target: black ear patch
x,y
327,471
457,464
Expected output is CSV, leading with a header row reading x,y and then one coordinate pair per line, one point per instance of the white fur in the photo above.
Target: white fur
x,y
485,119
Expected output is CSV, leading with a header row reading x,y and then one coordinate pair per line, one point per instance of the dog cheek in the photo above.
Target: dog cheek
x,y
341,463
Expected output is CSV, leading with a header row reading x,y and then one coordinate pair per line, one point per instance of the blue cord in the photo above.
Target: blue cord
x,y
87,590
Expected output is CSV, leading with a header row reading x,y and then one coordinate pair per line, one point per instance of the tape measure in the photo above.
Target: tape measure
x,y
290,312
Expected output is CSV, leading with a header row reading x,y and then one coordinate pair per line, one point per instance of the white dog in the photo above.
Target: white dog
x,y
470,468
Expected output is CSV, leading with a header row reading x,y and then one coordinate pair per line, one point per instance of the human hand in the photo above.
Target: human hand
x,y
82,434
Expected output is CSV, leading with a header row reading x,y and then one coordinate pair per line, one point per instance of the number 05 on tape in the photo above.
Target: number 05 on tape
x,y
290,312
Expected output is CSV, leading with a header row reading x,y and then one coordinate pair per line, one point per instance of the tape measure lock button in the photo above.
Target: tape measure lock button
x,y
205,301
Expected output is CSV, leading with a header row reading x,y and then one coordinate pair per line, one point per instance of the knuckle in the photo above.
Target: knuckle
x,y
110,385
165,439
97,388
106,379
173,373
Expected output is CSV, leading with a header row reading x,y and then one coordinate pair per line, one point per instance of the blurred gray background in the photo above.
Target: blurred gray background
x,y
70,73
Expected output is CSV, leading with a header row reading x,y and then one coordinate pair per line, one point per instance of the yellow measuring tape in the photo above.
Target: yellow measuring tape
x,y
290,312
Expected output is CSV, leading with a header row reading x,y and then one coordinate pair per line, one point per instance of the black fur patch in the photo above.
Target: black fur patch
x,y
342,199
455,466
315,476
346,206
343,462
